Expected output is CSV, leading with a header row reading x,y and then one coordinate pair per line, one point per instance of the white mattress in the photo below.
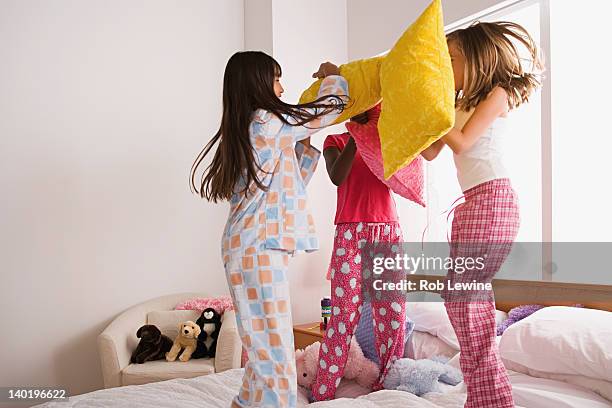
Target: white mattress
x,y
217,390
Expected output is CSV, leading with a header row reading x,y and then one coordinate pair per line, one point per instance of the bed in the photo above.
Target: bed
x,y
217,390
533,385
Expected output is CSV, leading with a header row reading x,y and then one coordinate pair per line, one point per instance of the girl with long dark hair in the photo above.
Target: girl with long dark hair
x,y
262,165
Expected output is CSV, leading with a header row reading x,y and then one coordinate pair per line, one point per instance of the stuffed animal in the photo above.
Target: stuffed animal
x,y
517,314
421,376
358,367
153,345
187,339
210,325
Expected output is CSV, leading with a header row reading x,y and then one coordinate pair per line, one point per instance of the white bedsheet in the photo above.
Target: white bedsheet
x,y
217,390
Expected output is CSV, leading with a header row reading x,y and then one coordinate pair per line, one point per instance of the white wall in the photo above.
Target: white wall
x,y
258,27
103,107
303,38
373,27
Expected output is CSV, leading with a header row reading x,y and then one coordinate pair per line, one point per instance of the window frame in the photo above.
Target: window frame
x,y
499,10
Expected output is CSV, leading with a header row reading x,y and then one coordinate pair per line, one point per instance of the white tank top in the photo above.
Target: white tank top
x,y
483,161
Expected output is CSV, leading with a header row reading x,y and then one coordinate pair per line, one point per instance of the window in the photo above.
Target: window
x,y
582,142
557,146
523,157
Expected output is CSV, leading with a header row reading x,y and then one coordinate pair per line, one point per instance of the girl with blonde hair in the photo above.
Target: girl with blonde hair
x,y
491,79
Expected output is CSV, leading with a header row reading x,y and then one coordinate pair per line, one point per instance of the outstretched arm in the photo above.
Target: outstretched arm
x,y
308,158
333,84
339,162
433,150
288,134
495,105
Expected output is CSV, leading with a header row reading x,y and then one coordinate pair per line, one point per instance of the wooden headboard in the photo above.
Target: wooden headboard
x,y
511,293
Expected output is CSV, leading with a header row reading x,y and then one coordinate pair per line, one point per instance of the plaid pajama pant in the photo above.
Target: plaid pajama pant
x,y
260,291
486,223
388,312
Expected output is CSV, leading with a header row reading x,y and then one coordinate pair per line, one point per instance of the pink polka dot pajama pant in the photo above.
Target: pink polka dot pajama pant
x,y
346,285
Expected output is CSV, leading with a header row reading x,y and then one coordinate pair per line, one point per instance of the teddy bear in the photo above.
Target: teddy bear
x,y
358,368
187,339
421,376
210,325
153,345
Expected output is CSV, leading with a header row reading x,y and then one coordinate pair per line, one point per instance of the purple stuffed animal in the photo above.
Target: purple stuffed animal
x,y
517,314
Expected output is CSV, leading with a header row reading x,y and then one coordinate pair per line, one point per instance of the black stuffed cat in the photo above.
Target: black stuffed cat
x,y
210,323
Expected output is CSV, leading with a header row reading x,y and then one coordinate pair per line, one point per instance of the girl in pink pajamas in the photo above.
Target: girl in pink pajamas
x,y
365,213
490,80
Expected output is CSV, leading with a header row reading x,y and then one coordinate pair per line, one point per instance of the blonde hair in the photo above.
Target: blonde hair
x,y
492,60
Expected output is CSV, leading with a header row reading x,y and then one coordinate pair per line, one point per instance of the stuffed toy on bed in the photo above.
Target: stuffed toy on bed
x,y
421,376
358,368
517,314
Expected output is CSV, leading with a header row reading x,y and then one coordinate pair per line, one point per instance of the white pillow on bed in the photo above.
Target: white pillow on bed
x,y
431,317
562,340
422,345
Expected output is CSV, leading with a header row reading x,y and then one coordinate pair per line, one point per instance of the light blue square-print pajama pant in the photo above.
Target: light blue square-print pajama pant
x,y
260,290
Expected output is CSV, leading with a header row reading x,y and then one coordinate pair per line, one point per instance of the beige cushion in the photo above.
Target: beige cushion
x,y
160,370
228,355
168,320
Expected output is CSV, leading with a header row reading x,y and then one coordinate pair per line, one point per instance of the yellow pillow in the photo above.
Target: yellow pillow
x,y
418,91
364,86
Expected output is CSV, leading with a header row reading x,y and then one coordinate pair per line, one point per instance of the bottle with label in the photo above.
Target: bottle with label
x,y
326,310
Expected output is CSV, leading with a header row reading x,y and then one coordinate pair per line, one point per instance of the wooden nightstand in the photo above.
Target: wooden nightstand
x,y
306,334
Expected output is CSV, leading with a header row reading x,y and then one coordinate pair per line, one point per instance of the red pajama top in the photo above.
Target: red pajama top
x,y
362,197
